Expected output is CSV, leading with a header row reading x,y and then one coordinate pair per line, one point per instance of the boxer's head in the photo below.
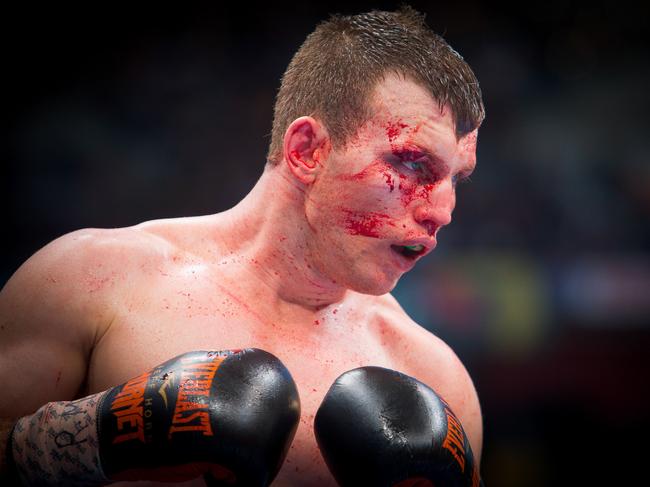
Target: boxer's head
x,y
377,118
333,74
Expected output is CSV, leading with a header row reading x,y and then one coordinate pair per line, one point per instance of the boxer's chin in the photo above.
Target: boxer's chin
x,y
376,290
373,283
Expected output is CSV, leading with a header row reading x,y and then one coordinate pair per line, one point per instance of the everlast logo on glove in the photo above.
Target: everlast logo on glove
x,y
191,412
132,406
455,442
127,407
227,416
188,416
170,402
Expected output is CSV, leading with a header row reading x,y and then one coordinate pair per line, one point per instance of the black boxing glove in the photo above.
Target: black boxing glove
x,y
378,427
230,416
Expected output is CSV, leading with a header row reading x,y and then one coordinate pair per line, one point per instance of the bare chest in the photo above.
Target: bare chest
x,y
153,327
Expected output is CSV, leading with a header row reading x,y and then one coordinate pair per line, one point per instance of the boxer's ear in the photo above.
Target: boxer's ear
x,y
306,146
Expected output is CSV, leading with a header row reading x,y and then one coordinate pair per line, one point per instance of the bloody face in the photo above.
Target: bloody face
x,y
379,201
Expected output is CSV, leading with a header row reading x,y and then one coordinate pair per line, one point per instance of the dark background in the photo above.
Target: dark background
x,y
114,115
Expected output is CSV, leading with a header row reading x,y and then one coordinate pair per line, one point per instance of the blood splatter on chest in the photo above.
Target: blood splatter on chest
x,y
149,335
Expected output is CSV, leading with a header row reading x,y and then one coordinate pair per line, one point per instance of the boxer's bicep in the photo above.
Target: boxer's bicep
x,y
36,371
44,341
434,363
464,401
474,419
446,374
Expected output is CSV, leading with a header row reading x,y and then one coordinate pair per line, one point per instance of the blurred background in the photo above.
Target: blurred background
x,y
114,115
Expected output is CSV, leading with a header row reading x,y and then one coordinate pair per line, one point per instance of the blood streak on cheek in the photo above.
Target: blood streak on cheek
x,y
367,173
413,188
376,171
390,182
367,224
408,188
425,192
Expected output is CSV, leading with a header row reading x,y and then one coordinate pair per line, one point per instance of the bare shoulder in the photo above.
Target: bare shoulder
x,y
429,359
128,248
74,278
81,273
78,256
58,304
74,275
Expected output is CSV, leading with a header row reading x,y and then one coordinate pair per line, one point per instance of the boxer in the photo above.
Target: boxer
x,y
375,123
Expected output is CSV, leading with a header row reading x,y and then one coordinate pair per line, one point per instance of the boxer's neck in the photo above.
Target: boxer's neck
x,y
270,234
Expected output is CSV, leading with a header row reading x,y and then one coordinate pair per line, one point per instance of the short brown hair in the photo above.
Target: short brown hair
x,y
337,67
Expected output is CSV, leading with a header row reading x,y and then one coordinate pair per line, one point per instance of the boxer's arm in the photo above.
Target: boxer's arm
x,y
457,388
430,360
48,326
435,364
230,415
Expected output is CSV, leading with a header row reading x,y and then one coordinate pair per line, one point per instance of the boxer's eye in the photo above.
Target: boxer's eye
x,y
427,168
417,166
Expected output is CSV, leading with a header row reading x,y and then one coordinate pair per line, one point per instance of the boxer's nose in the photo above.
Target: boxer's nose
x,y
435,211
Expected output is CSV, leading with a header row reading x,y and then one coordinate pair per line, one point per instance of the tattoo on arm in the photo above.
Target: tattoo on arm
x,y
58,444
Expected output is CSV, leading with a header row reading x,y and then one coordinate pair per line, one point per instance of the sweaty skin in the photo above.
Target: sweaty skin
x,y
301,267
